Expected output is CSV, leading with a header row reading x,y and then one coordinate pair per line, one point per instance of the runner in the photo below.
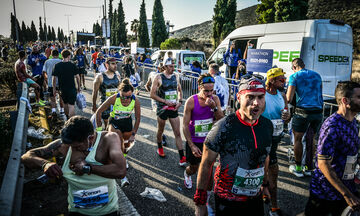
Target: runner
x,y
48,71
93,160
65,72
332,186
243,141
307,85
221,87
201,110
94,57
23,76
124,103
108,83
100,60
275,110
81,62
166,91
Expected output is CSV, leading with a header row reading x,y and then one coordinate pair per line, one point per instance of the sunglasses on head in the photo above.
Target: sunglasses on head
x,y
207,79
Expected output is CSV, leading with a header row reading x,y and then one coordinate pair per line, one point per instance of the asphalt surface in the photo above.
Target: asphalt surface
x,y
147,169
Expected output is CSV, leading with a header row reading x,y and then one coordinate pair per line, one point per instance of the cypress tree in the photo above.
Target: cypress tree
x,y
110,13
121,25
12,33
114,30
41,31
143,35
229,24
53,35
58,33
135,27
24,37
21,35
223,19
34,34
266,11
49,36
28,34
290,10
158,30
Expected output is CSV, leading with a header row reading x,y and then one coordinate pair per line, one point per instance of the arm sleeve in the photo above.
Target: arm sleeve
x,y
327,142
215,139
292,81
239,55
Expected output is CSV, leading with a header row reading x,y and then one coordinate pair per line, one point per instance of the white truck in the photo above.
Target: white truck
x,y
326,46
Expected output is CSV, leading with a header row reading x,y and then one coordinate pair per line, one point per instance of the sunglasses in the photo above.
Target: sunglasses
x,y
126,97
208,79
282,80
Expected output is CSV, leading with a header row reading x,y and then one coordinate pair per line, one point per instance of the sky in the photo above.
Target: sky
x,y
181,13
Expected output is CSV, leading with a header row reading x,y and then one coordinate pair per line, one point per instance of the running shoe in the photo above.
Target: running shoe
x,y
164,143
297,173
306,171
275,212
160,152
124,182
182,162
187,181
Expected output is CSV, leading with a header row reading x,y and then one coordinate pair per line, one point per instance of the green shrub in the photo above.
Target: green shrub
x,y
171,43
7,73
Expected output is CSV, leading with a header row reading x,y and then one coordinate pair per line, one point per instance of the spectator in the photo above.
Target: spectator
x,y
231,58
48,51
100,60
36,60
23,76
5,52
66,72
332,186
81,62
195,67
249,45
221,86
307,85
94,57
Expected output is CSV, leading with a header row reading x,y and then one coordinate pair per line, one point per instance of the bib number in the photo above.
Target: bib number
x,y
110,92
278,126
122,114
349,171
91,198
171,96
248,182
202,127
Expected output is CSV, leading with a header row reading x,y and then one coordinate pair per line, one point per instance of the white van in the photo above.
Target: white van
x,y
326,46
183,59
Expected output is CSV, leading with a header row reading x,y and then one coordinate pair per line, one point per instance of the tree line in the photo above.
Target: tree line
x,y
27,34
118,33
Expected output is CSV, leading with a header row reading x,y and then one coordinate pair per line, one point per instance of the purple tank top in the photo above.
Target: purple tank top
x,y
201,121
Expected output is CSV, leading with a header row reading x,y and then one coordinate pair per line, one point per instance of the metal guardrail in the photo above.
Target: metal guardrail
x,y
12,184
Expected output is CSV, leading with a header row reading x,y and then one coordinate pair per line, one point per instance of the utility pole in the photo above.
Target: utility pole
x,y
43,1
105,20
16,26
68,15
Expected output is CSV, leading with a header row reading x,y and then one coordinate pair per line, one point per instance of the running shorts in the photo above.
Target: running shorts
x,y
190,157
124,125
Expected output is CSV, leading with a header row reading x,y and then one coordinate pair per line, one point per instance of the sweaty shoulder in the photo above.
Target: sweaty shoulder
x,y
111,138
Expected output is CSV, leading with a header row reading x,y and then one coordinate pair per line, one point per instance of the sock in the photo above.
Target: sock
x,y
159,145
181,153
53,110
275,209
125,155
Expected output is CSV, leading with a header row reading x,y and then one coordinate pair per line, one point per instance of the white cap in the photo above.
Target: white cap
x,y
169,61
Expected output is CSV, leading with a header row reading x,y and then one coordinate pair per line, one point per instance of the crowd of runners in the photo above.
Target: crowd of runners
x,y
244,142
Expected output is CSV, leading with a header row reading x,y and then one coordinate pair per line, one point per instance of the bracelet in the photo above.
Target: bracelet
x,y
133,133
44,164
200,197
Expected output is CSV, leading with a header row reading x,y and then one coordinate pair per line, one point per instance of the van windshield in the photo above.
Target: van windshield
x,y
189,58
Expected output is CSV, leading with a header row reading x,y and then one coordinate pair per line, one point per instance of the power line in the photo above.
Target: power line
x,y
71,5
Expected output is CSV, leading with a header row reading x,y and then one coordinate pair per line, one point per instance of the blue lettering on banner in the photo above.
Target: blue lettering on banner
x,y
259,60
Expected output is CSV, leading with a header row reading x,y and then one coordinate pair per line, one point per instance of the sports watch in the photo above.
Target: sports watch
x,y
86,169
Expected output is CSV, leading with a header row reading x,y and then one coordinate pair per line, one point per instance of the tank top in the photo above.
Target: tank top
x,y
90,194
202,118
167,90
108,87
120,111
274,105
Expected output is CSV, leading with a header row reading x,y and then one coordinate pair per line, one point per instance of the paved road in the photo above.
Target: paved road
x,y
149,170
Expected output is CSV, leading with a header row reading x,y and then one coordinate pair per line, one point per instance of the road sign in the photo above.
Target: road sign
x,y
259,60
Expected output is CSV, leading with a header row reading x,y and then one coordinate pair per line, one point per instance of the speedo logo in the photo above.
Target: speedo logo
x,y
86,193
333,58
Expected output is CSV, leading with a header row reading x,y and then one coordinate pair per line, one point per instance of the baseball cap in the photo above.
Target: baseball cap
x,y
169,61
110,59
250,83
274,72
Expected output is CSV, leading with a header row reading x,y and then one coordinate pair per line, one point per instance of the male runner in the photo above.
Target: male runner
x,y
166,91
201,110
93,160
307,85
124,103
108,83
65,72
48,71
332,186
243,140
276,111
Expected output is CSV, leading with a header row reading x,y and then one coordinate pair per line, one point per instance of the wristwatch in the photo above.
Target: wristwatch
x,y
86,169
215,109
133,133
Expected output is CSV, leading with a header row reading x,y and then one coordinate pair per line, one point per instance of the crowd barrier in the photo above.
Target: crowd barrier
x,y
12,184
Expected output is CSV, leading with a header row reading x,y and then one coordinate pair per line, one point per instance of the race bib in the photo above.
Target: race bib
x,y
171,96
91,198
122,114
278,126
110,92
349,171
248,182
202,127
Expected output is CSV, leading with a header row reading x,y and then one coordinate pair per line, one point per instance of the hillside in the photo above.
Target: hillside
x,y
203,31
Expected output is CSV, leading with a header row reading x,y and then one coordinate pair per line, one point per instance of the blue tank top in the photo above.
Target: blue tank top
x,y
274,105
